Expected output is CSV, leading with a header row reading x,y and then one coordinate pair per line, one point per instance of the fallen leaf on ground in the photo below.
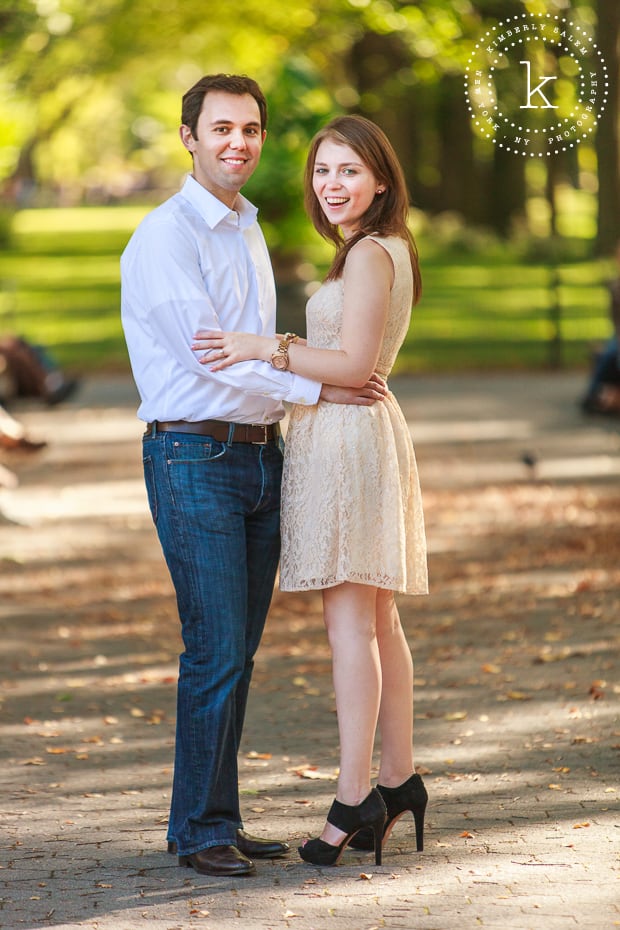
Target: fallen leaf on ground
x,y
422,770
312,772
517,696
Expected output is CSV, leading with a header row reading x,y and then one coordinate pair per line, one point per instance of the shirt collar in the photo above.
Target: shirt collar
x,y
213,211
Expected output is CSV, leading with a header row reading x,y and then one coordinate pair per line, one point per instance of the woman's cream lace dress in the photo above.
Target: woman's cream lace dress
x,y
351,503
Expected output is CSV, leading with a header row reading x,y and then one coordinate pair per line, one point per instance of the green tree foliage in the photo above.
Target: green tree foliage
x,y
91,96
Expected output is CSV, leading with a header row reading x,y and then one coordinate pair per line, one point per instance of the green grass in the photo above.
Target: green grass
x,y
60,283
482,308
477,315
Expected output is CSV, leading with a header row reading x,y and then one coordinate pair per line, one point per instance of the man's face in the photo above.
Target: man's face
x,y
229,143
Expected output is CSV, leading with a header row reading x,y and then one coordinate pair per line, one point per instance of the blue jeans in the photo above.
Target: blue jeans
x,y
216,507
607,364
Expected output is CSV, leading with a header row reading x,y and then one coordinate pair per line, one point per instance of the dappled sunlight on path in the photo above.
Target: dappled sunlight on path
x,y
517,686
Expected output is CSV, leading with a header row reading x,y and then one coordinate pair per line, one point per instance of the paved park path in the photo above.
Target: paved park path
x,y
517,686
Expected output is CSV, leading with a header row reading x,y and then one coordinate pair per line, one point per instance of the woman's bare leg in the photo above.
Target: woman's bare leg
x,y
396,709
349,613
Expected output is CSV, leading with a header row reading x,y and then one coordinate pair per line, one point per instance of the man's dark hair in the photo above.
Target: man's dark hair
x,y
237,84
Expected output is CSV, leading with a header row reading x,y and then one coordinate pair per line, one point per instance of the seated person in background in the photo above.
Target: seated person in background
x,y
13,435
603,393
27,371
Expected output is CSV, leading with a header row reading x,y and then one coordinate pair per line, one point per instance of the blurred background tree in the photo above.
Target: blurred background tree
x,y
91,100
89,116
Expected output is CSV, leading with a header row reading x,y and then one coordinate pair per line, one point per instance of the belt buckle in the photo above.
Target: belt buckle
x,y
265,439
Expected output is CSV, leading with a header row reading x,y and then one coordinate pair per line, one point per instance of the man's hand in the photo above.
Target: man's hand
x,y
375,389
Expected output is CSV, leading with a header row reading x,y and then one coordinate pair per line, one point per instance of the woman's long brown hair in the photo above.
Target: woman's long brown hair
x,y
387,214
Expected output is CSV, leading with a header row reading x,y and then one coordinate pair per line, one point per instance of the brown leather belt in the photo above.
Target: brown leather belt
x,y
220,430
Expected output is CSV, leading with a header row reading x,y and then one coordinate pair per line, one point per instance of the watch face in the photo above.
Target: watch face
x,y
280,362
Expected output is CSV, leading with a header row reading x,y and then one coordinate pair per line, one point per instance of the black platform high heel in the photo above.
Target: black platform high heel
x,y
368,816
410,796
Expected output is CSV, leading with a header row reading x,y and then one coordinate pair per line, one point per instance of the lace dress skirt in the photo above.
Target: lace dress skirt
x,y
351,502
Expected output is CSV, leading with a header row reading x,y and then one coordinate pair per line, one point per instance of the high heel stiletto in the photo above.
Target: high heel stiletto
x,y
368,816
410,796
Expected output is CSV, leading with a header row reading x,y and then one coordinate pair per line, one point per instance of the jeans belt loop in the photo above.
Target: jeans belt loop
x,y
231,433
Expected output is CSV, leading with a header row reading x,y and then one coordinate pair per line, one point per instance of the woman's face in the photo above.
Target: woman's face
x,y
344,186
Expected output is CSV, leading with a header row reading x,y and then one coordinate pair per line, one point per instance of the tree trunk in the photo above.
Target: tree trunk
x,y
607,148
506,191
22,184
460,182
405,119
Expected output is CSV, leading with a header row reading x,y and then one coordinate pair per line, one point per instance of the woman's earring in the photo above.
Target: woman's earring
x,y
380,190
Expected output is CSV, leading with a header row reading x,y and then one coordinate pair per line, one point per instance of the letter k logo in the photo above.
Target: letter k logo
x,y
536,90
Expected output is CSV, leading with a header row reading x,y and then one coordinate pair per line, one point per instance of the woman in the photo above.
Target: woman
x,y
352,521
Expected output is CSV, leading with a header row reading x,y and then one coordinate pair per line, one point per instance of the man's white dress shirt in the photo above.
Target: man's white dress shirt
x,y
195,264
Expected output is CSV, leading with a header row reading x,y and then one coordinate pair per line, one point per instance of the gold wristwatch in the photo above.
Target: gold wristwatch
x,y
279,359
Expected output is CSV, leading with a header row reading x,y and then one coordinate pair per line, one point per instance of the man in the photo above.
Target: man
x,y
211,450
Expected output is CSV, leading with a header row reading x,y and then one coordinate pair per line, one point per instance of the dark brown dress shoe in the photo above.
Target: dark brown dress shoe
x,y
22,444
254,847
219,860
258,848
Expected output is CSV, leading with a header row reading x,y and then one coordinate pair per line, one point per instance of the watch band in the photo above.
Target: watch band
x,y
280,359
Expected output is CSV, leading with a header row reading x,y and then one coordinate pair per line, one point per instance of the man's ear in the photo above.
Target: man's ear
x,y
187,138
265,136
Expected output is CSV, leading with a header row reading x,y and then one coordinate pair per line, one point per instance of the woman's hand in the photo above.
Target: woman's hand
x,y
374,390
224,349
